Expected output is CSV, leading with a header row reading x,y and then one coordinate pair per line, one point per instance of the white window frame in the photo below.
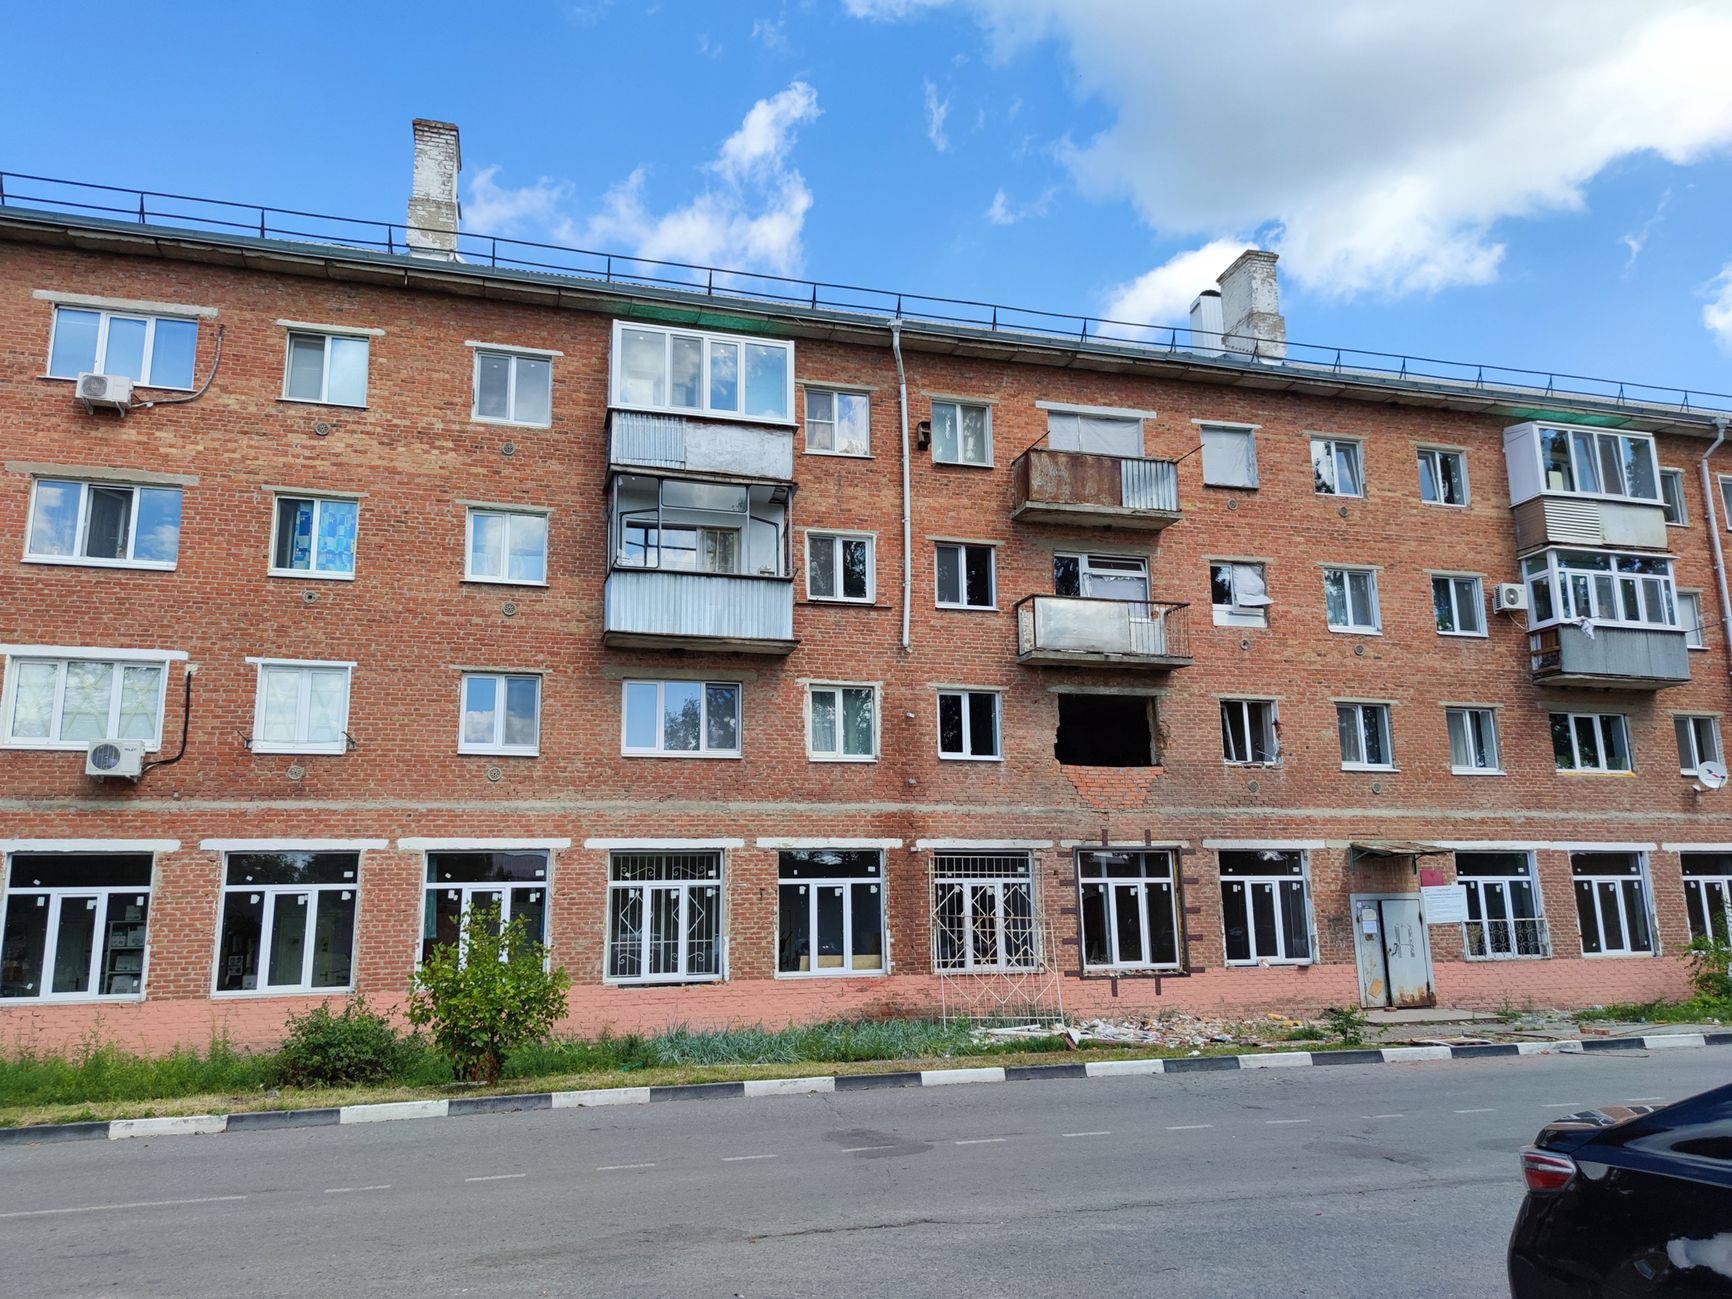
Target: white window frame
x,y
994,885
1699,888
1688,729
512,355
842,536
837,688
1207,426
119,660
1674,476
1108,567
963,692
1464,711
1553,569
315,573
497,745
267,932
1574,431
959,405
100,361
326,335
1455,604
1644,883
1236,614
846,883
509,515
82,527
55,897
1332,448
469,889
1695,626
1142,886
1480,888
1602,723
305,668
1379,714
1348,572
1242,727
684,889
1280,956
703,750
616,371
837,393
962,548
1437,455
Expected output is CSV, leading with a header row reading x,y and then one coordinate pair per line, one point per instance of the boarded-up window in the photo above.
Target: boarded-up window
x,y
1229,456
1101,435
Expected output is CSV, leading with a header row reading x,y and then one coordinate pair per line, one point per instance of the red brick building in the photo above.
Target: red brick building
x,y
776,659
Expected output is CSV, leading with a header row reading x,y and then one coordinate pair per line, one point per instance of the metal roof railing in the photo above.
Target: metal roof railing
x,y
253,220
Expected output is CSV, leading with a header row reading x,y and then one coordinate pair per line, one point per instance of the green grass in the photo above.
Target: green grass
x,y
101,1071
1692,1010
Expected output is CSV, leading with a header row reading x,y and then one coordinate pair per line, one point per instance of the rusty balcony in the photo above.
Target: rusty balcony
x,y
1609,657
1078,631
1080,487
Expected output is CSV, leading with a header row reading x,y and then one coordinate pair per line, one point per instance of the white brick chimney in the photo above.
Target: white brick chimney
x,y
433,207
1251,307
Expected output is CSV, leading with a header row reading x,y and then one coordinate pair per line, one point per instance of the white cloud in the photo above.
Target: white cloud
x,y
936,111
1717,314
1376,146
1636,240
767,134
1003,212
494,209
771,33
1163,296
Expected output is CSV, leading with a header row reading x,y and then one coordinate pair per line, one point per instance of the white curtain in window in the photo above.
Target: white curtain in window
x,y
84,712
1229,457
1249,589
1104,435
282,701
33,700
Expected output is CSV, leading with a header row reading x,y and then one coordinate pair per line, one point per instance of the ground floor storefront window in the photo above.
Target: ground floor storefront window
x,y
1612,903
1130,912
830,911
1503,906
75,925
664,917
1708,894
512,884
983,912
1266,906
288,922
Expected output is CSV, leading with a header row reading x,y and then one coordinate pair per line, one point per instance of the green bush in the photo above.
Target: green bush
x,y
349,1049
1347,1023
1711,969
487,995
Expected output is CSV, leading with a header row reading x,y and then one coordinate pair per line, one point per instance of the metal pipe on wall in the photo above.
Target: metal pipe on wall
x,y
1714,526
907,516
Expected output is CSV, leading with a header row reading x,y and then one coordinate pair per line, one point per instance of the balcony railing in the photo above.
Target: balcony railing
x,y
662,610
1082,487
1506,940
1609,657
1060,629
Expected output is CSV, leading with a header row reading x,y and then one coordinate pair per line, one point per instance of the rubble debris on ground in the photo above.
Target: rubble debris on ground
x,y
1172,1030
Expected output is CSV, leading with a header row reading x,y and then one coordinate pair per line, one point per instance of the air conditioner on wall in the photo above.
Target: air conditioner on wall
x,y
114,758
110,391
1510,597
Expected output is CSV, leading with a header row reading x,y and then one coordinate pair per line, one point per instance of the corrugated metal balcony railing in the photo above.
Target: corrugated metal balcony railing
x,y
1055,630
662,610
1610,657
1082,487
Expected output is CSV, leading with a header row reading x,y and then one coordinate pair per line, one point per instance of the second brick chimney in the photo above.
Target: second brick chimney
x,y
1251,317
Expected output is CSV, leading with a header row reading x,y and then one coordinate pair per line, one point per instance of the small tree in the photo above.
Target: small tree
x,y
486,994
1710,961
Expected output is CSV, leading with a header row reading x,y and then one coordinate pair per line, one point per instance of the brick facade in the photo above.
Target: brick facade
x,y
409,621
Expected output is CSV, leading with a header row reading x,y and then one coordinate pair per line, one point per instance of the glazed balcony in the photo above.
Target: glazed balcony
x,y
1081,487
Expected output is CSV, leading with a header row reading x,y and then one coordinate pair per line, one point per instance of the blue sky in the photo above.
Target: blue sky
x,y
1542,185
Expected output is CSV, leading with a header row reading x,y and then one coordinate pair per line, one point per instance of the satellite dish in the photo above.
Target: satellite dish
x,y
1712,775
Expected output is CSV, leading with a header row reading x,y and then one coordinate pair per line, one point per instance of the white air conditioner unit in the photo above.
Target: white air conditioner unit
x,y
1510,597
117,758
112,391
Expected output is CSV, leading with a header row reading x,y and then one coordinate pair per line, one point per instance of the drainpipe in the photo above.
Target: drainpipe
x,y
1720,422
907,519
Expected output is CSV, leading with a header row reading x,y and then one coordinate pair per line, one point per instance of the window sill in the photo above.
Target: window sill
x,y
845,600
967,757
1464,635
721,416
1477,771
1269,962
1619,956
1107,970
148,387
969,464
664,981
969,608
796,975
1339,496
1249,766
314,401
68,746
1357,631
1231,487
839,758
122,998
259,994
498,753
142,566
310,576
305,752
839,455
506,423
1446,505
1498,960
503,581
1366,768
682,757
1617,775
1684,524
1697,649
1240,621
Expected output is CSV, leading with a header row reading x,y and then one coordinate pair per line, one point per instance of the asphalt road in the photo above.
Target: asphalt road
x,y
1343,1181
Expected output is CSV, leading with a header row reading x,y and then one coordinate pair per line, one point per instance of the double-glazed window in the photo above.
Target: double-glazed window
x,y
830,912
965,578
1698,742
1472,741
152,351
64,703
301,707
961,433
1503,906
715,374
983,912
1577,585
1265,907
1101,577
1365,738
1690,619
1596,463
838,423
513,387
103,523
1708,894
75,926
1442,476
1239,595
314,537
507,885
327,368
1248,733
1130,910
968,727
288,922
1336,467
684,526
842,723
682,719
1229,455
506,546
1590,742
839,567
1612,903
664,917
1458,605
1672,497
501,714
1350,600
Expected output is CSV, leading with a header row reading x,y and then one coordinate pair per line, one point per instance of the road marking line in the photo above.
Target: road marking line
x,y
497,1177
345,1190
1484,1111
1086,1134
614,1168
854,1150
740,1159
979,1141
1388,1116
1188,1127
1643,1100
135,1204
1275,1122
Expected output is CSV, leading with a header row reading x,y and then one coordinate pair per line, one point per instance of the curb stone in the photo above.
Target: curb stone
x,y
272,1120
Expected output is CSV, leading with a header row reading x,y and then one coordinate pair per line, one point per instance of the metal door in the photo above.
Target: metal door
x,y
1392,952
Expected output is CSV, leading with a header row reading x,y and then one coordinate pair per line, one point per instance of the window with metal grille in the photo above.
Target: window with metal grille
x,y
1504,920
1130,910
983,912
664,917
